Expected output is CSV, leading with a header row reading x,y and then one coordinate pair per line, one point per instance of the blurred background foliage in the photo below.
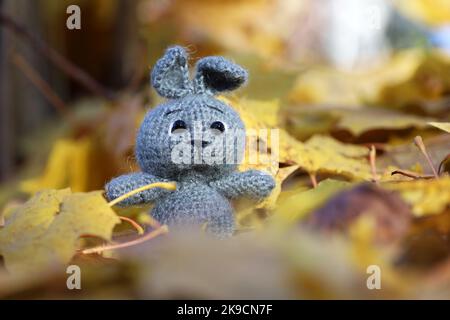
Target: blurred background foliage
x,y
336,76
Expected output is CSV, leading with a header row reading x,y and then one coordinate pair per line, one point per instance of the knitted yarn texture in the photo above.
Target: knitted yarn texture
x,y
193,119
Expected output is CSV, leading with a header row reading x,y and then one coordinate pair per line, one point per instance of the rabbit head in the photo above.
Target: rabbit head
x,y
192,130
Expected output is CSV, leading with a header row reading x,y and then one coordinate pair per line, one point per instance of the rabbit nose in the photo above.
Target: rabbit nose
x,y
198,142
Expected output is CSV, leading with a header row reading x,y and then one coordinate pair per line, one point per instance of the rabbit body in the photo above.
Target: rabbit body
x,y
195,140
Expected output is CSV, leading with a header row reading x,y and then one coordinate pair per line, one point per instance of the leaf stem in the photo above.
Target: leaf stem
x,y
313,178
151,235
419,143
164,185
136,225
161,229
373,166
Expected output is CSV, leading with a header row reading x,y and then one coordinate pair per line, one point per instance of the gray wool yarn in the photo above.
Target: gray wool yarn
x,y
192,117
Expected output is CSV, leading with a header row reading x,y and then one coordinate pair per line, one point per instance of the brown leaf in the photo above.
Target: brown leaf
x,y
392,215
444,166
407,156
428,241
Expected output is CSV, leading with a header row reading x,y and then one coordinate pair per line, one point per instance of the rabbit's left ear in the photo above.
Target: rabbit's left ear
x,y
170,76
217,74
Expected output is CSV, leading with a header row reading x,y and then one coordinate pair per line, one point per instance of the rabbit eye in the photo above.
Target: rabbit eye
x,y
219,126
178,126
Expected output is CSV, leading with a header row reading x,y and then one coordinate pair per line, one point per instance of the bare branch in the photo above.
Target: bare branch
x,y
61,62
42,86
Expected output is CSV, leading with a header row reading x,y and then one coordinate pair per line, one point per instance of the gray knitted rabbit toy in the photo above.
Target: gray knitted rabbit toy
x,y
194,118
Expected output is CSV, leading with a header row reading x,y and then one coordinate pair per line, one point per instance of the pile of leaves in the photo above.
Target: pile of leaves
x,y
361,163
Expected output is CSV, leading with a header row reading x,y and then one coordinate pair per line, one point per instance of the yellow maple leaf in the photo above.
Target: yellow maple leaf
x,y
44,231
325,154
319,154
260,119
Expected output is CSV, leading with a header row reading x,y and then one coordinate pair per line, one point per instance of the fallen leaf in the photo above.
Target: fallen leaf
x,y
282,174
421,91
260,119
44,231
406,156
327,86
392,215
441,125
427,242
327,155
350,125
79,164
67,166
426,197
297,206
368,119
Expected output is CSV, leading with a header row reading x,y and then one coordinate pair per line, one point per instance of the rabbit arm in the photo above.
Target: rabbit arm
x,y
252,183
126,183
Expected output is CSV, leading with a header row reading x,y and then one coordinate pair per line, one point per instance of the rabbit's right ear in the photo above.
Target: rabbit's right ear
x,y
217,74
170,76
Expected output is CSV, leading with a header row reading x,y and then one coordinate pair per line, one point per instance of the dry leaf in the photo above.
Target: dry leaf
x,y
295,207
426,197
392,215
441,125
44,231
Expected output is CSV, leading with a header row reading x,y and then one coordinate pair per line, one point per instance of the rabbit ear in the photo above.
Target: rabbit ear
x,y
216,74
170,76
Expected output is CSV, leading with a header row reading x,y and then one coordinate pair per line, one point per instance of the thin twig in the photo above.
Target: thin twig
x,y
151,235
60,61
378,145
42,86
419,143
411,174
313,178
162,229
373,166
136,225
